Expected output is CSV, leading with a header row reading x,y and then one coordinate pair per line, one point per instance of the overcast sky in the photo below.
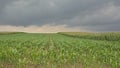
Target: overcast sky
x,y
59,15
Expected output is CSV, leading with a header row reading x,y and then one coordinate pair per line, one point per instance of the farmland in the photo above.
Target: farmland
x,y
60,50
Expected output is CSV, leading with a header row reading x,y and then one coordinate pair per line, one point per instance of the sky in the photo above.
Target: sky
x,y
59,15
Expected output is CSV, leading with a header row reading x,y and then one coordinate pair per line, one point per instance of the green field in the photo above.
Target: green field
x,y
60,50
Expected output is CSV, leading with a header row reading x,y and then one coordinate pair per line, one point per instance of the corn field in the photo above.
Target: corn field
x,y
60,50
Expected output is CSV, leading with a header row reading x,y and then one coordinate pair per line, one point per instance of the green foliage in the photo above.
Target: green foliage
x,y
9,33
57,51
109,36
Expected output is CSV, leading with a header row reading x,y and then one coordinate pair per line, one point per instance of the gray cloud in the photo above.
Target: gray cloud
x,y
4,3
93,15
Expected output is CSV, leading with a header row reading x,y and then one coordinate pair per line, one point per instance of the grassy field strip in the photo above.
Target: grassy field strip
x,y
109,36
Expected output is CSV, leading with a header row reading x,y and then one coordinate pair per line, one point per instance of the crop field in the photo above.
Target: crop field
x,y
60,50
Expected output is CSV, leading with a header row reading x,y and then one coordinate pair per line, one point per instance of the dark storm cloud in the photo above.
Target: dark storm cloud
x,y
102,15
4,3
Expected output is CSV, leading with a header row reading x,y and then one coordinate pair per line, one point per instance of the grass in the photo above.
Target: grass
x,y
57,51
9,33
